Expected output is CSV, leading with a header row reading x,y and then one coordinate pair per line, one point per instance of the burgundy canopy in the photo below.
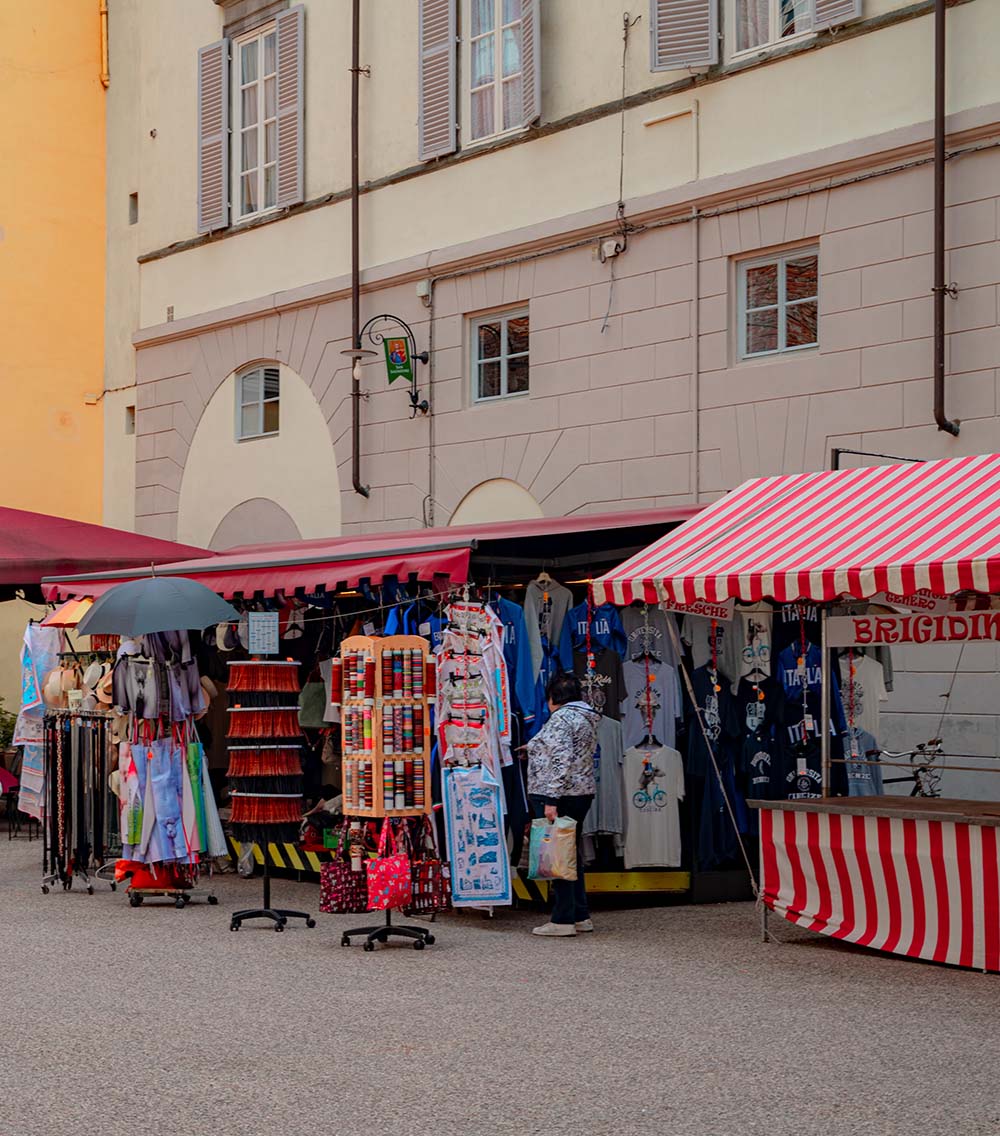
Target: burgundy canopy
x,y
33,545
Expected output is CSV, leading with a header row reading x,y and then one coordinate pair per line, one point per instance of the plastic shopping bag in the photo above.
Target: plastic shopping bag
x,y
552,850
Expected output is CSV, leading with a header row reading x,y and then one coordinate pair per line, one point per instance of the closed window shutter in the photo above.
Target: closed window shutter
x,y
213,136
683,33
290,26
531,70
830,13
438,69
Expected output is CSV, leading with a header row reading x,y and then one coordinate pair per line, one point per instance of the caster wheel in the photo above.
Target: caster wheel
x,y
279,926
345,941
114,886
213,900
429,940
234,926
135,900
45,889
179,904
369,946
90,890
418,944
310,922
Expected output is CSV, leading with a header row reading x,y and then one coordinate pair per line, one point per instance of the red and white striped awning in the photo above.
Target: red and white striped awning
x,y
819,536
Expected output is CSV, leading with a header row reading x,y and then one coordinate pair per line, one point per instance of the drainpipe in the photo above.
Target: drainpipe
x,y
941,289
105,72
363,490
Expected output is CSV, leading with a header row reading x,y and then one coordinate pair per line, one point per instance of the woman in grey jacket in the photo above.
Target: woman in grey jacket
x,y
561,783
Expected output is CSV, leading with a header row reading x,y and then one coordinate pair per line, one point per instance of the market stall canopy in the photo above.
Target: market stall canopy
x,y
343,562
33,545
819,536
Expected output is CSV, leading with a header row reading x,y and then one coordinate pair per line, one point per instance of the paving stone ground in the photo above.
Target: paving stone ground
x,y
675,1020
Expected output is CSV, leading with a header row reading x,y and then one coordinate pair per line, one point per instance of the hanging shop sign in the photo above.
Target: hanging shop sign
x,y
881,630
721,611
398,361
921,600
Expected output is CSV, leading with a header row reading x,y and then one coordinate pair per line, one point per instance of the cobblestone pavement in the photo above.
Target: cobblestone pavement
x,y
122,1022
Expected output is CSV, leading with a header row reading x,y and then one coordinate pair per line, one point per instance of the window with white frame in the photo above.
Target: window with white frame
x,y
495,80
500,355
255,114
258,402
778,303
761,23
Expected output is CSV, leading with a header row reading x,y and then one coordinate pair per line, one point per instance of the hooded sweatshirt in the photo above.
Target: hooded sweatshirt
x,y
561,755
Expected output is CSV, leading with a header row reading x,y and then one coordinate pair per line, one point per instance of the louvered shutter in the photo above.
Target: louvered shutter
x,y
213,136
438,72
531,71
683,33
290,27
830,13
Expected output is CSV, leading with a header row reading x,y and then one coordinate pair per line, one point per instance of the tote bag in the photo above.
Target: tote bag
x,y
389,882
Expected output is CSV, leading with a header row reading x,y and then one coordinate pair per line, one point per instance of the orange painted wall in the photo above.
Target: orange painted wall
x,y
52,235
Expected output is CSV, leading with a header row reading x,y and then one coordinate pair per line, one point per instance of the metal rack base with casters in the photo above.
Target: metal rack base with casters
x,y
421,936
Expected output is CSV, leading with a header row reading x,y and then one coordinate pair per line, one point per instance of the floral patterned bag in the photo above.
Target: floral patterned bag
x,y
341,890
389,883
431,876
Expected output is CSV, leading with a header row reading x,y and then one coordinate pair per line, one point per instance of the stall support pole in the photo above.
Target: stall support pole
x,y
824,725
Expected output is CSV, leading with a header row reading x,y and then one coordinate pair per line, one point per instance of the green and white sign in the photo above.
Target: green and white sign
x,y
398,363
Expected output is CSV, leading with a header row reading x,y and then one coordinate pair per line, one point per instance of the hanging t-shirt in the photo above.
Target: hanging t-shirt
x,y
517,655
331,712
760,719
722,725
803,694
647,632
862,780
604,686
787,626
654,788
606,628
803,772
755,641
652,704
696,631
861,697
605,814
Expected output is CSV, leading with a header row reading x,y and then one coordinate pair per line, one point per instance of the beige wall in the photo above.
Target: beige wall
x,y
295,469
498,499
760,115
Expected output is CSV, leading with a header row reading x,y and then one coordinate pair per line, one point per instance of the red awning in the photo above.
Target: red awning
x,y
818,536
33,545
342,562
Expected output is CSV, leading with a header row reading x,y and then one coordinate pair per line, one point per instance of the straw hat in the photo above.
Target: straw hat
x,y
104,691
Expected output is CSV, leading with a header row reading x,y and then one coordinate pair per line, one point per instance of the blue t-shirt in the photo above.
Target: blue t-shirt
x,y
606,629
517,656
804,692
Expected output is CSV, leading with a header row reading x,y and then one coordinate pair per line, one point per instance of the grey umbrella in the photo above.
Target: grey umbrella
x,y
161,603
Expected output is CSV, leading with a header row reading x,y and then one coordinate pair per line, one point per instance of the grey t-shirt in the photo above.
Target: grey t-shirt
x,y
664,703
654,786
862,780
605,813
646,630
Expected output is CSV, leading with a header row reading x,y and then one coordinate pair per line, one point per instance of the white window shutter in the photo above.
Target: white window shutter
x,y
683,33
213,136
831,13
438,78
290,27
531,69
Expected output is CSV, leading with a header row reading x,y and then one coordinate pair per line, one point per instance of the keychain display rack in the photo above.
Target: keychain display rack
x,y
265,769
386,689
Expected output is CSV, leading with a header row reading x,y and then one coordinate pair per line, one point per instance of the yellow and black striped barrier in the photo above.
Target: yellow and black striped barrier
x,y
292,858
287,856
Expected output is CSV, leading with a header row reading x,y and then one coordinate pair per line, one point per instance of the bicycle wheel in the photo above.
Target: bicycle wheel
x,y
660,799
640,799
